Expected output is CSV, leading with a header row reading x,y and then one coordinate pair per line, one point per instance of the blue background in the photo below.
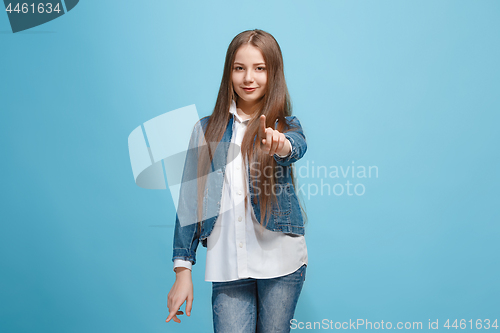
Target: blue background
x,y
411,87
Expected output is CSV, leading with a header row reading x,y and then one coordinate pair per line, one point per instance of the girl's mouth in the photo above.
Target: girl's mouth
x,y
249,89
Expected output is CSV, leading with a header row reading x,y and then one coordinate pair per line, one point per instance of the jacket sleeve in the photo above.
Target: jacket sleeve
x,y
186,240
186,234
298,140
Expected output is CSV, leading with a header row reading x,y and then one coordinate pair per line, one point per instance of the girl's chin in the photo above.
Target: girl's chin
x,y
250,99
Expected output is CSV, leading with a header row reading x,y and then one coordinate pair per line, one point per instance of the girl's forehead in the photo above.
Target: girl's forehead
x,y
248,52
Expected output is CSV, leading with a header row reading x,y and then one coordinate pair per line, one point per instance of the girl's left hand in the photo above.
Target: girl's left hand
x,y
274,141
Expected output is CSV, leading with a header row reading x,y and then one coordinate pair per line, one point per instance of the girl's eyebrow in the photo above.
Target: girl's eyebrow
x,y
259,63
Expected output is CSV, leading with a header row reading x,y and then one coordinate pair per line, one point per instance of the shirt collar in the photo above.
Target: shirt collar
x,y
232,110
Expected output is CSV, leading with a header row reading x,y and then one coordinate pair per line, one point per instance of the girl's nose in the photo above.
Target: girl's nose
x,y
248,76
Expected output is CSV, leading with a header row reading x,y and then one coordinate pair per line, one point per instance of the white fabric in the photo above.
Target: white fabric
x,y
238,246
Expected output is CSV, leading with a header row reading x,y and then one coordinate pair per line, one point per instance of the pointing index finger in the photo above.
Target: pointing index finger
x,y
262,127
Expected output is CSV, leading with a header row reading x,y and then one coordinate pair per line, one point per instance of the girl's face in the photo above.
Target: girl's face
x,y
249,74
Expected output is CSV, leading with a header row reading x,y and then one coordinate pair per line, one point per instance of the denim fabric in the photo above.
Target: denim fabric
x,y
285,217
256,305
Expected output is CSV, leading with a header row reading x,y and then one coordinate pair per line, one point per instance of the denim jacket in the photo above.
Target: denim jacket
x,y
285,217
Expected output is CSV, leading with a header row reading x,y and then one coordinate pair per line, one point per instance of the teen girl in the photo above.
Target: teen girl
x,y
256,251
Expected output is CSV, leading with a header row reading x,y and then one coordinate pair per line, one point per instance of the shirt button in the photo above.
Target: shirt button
x,y
240,218
239,192
237,167
240,245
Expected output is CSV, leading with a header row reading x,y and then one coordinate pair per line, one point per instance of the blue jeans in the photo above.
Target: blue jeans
x,y
256,305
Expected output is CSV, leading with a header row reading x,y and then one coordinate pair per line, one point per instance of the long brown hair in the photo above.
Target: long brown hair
x,y
275,105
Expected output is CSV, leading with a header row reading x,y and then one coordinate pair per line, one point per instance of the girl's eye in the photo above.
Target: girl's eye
x,y
260,68
238,68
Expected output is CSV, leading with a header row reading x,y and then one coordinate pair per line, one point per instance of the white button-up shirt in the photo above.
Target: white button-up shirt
x,y
239,246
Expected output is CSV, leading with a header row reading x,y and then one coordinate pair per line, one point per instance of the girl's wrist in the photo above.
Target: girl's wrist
x,y
181,271
287,148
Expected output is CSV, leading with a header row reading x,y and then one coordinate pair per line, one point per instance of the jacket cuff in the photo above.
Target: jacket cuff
x,y
184,254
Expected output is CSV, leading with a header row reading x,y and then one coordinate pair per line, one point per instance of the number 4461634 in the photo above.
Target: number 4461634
x,y
480,324
41,8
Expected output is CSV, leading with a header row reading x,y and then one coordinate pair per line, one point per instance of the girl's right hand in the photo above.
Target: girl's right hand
x,y
181,291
